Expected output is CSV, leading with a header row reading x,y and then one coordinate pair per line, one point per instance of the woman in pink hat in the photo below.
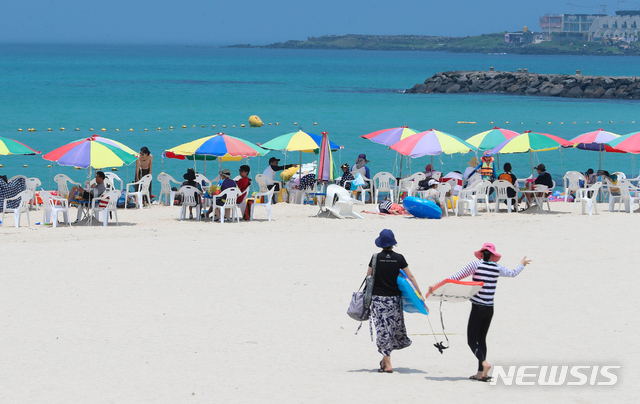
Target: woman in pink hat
x,y
486,270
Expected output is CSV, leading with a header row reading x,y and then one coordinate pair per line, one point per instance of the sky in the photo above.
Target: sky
x,y
259,22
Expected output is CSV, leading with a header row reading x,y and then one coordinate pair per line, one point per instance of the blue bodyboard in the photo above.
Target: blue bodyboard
x,y
422,208
412,302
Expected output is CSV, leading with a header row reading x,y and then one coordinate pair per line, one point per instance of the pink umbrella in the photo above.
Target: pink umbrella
x,y
596,141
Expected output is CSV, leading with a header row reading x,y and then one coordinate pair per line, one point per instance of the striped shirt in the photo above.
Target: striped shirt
x,y
385,206
487,272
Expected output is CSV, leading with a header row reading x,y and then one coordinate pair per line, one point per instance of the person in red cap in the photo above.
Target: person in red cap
x,y
486,269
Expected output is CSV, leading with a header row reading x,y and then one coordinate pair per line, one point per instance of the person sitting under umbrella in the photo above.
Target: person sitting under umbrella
x,y
190,179
94,191
543,178
270,173
347,177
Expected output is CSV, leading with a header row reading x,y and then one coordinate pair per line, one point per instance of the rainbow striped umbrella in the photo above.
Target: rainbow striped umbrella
x,y
594,140
219,145
96,152
432,143
629,143
390,136
530,142
325,163
299,141
489,139
10,146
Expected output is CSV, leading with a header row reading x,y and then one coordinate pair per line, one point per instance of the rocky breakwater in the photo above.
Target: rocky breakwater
x,y
551,85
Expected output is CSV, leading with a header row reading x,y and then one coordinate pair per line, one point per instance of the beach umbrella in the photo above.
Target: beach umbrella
x,y
10,146
95,151
299,141
489,139
220,146
391,136
596,141
325,163
629,143
530,142
432,143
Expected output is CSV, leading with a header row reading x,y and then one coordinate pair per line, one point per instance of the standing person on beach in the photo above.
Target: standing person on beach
x,y
486,269
386,302
144,164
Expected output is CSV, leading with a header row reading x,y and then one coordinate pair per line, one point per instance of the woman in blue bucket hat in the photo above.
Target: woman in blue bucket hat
x,y
386,303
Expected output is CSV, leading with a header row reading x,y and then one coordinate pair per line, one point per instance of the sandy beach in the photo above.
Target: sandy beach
x,y
161,311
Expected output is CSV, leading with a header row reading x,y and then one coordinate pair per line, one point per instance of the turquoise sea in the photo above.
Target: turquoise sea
x,y
347,93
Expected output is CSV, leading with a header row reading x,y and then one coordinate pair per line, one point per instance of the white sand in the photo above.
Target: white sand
x,y
162,311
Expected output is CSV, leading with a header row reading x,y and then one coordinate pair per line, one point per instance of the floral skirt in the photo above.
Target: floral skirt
x,y
388,319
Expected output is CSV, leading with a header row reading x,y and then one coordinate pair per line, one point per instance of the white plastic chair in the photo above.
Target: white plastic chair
x,y
261,179
63,187
444,195
340,203
268,197
545,197
231,203
143,190
105,204
571,182
52,206
113,177
190,197
203,181
33,184
23,207
502,188
588,198
165,188
470,197
473,180
383,182
410,184
626,196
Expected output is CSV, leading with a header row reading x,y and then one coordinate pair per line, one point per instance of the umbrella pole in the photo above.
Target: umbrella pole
x,y
531,160
205,164
401,163
600,160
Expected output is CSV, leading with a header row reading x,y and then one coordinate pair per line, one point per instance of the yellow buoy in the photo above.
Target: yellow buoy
x,y
19,129
521,123
507,122
145,129
492,122
269,123
315,123
549,123
48,129
171,127
561,123
1,165
242,126
184,126
130,129
574,123
91,129
159,128
213,126
233,126
255,121
295,123
610,121
194,126
203,126
224,126
587,121
77,129
48,165
621,121
599,121
61,128
277,123
114,169
117,130
24,165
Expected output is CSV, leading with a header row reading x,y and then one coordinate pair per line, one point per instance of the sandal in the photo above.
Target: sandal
x,y
480,379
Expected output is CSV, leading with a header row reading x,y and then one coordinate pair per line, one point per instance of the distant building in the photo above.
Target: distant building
x,y
524,37
567,25
625,27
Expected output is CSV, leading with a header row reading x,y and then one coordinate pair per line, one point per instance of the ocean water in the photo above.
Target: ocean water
x,y
347,93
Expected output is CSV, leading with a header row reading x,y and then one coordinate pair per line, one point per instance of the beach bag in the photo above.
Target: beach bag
x,y
358,181
360,306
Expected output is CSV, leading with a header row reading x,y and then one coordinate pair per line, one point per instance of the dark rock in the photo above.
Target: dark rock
x,y
453,89
513,88
574,92
556,90
531,91
420,88
609,93
599,92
